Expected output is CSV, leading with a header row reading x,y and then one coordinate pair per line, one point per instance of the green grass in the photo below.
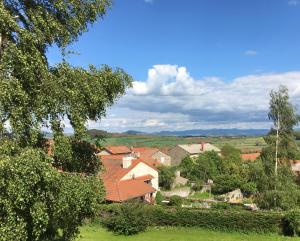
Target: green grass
x,y
203,195
244,143
96,233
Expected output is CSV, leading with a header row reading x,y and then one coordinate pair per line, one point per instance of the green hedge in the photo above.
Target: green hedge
x,y
229,220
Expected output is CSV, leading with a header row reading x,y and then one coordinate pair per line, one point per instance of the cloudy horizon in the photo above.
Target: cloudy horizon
x,y
171,99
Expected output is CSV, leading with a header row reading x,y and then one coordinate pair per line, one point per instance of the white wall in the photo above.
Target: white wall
x,y
142,169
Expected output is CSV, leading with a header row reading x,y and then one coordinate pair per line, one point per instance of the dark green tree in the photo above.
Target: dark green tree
x,y
35,94
281,140
40,204
166,177
36,201
233,173
277,182
206,166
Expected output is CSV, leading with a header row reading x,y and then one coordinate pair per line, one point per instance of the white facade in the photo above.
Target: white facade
x,y
142,169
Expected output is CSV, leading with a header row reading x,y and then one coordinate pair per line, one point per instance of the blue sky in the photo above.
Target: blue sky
x,y
204,43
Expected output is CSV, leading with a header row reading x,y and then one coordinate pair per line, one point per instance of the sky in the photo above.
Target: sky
x,y
196,64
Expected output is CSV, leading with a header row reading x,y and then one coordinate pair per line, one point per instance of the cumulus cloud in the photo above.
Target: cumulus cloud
x,y
250,53
171,99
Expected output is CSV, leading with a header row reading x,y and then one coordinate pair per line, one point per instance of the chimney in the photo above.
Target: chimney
x,y
127,161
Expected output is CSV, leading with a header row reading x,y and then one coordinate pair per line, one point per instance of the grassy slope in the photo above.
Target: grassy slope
x,y
160,141
95,233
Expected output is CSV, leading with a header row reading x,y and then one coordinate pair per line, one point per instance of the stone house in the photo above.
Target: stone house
x,y
179,152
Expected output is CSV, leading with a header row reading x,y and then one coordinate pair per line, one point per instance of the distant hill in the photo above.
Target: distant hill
x,y
209,132
132,132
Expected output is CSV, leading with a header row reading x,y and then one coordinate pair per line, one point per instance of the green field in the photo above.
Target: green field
x,y
96,233
244,143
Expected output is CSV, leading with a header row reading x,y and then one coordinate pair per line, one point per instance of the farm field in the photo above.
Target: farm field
x,y
96,233
243,143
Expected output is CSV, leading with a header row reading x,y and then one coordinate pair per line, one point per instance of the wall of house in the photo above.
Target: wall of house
x,y
104,153
177,154
142,169
164,158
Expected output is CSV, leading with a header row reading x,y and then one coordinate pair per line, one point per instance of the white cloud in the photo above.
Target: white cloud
x,y
250,53
293,2
171,99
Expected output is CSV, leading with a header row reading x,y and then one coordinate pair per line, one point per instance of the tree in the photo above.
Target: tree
x,y
233,173
38,203
277,183
35,94
284,118
231,160
166,177
206,166
186,168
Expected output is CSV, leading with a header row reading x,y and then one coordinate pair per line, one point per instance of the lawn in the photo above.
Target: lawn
x,y
96,233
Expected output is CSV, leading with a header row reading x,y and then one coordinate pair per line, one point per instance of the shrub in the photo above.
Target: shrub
x,y
159,198
126,219
197,187
220,205
166,177
291,223
176,201
282,200
227,220
220,219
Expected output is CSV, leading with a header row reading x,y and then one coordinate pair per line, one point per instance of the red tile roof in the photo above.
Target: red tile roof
x,y
125,190
250,156
117,150
117,190
145,152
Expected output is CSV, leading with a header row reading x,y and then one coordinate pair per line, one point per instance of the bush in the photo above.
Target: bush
x,y
176,201
197,187
227,220
220,205
166,177
126,219
291,223
282,200
159,198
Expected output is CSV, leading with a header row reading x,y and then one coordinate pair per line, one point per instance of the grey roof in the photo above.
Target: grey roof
x,y
197,148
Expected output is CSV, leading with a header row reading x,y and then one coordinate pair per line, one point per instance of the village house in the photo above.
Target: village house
x,y
179,152
148,153
250,156
152,156
126,178
296,167
115,150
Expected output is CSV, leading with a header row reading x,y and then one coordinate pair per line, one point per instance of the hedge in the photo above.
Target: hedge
x,y
229,220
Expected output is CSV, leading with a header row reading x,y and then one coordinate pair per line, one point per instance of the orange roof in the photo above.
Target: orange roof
x,y
145,152
250,156
125,190
116,150
117,190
